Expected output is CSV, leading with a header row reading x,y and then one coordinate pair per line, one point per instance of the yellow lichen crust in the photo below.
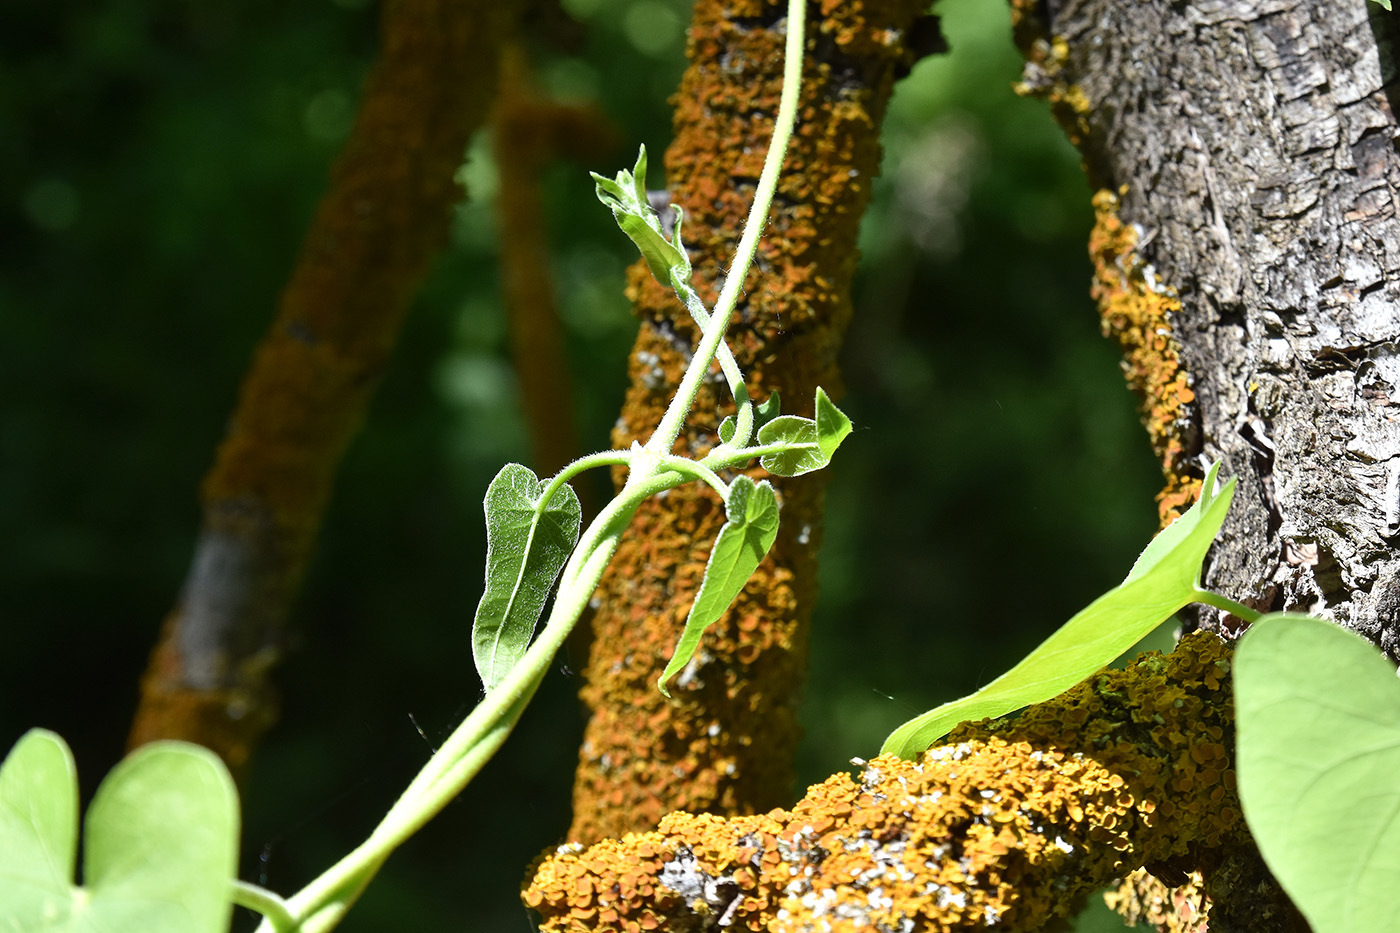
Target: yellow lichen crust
x,y
725,742
1136,308
1009,823
1142,899
1044,77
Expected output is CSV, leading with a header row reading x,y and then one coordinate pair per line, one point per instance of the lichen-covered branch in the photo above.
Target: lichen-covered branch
x,y
725,742
1136,308
378,227
1008,822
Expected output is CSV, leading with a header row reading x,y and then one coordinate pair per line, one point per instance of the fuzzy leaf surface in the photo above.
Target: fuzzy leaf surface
x,y
626,197
527,542
160,846
743,542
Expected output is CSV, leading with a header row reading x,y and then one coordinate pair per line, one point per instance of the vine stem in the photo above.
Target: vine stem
x,y
670,427
321,904
1227,604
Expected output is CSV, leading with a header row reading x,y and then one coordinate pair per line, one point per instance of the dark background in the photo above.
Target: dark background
x,y
159,162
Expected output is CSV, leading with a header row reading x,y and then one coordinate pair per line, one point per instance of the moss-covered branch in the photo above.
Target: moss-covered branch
x,y
1009,822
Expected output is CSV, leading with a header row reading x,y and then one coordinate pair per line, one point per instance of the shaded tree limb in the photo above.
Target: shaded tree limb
x,y
529,133
369,246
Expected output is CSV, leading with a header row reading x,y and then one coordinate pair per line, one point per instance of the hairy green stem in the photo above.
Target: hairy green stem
x,y
321,904
265,902
1225,603
670,427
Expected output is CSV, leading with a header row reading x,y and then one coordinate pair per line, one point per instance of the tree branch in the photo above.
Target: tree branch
x,y
1009,822
378,227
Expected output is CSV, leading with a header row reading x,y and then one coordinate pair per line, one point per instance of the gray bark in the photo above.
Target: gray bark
x,y
1258,143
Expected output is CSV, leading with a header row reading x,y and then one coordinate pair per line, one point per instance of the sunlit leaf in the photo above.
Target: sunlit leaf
x,y
527,542
1091,639
743,542
767,411
832,425
801,452
1172,535
160,847
626,197
808,444
1318,713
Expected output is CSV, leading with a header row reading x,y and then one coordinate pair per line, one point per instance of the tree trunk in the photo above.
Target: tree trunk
x,y
725,742
1250,149
1246,258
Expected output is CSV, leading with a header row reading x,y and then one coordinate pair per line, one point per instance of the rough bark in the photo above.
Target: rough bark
x,y
1250,146
726,742
1246,258
377,229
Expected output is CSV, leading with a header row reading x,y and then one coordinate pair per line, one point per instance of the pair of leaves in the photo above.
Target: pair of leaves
x,y
807,443
752,512
1318,750
160,847
527,542
1164,579
763,413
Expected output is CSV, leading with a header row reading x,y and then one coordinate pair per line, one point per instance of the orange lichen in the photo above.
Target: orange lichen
x,y
1136,308
1007,823
726,740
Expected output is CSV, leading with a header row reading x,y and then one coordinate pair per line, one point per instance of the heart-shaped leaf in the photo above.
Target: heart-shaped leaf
x,y
743,542
160,846
800,454
807,444
1113,623
527,542
1318,712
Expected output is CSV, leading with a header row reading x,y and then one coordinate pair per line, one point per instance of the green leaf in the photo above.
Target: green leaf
x,y
726,429
832,425
801,453
1173,534
808,444
160,849
743,542
626,197
767,411
1318,746
527,542
1094,637
1384,3
39,826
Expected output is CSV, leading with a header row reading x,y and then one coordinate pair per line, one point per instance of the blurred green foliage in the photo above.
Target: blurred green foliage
x,y
159,163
